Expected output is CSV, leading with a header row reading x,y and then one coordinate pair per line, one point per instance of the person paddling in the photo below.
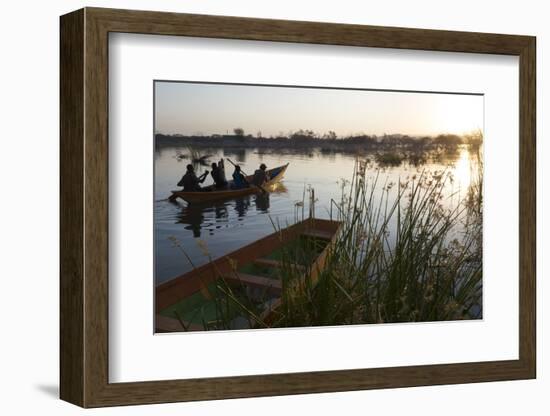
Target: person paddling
x,y
260,176
218,175
190,181
239,180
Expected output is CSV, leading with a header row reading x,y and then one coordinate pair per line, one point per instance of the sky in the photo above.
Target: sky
x,y
205,109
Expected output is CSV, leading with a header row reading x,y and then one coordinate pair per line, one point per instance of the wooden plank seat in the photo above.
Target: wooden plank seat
x,y
272,285
276,263
323,235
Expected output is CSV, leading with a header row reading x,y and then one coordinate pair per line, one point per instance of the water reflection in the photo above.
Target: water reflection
x,y
214,216
262,202
196,217
241,206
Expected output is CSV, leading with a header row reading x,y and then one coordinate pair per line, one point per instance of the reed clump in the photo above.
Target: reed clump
x,y
424,270
385,159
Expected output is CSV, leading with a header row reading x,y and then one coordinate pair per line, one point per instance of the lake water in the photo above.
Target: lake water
x,y
219,228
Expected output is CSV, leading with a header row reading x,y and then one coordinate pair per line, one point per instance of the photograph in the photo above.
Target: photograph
x,y
283,206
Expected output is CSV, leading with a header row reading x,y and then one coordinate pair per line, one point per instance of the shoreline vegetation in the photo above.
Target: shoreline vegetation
x,y
386,150
325,142
429,268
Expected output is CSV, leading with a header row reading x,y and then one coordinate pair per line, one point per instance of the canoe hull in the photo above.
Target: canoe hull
x,y
213,195
183,286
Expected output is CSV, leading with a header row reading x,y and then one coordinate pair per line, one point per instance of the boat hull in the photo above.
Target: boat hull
x,y
181,287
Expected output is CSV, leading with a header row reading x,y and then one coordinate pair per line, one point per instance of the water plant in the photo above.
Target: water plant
x,y
389,158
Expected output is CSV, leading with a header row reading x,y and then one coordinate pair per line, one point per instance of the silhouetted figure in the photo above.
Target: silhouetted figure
x,y
260,176
218,174
190,182
221,165
239,180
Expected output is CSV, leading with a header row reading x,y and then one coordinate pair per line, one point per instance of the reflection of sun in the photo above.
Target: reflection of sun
x,y
462,169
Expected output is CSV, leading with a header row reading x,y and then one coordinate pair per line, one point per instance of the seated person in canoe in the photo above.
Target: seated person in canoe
x,y
190,181
218,175
239,180
260,176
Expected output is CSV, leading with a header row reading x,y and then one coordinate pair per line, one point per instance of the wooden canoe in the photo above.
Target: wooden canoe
x,y
210,193
228,266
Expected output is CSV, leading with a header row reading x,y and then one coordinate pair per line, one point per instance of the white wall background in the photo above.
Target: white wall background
x,y
29,158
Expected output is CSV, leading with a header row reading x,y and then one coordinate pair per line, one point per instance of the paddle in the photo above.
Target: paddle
x,y
259,186
203,176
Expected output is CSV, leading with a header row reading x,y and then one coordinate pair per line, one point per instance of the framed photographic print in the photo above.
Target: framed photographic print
x,y
255,207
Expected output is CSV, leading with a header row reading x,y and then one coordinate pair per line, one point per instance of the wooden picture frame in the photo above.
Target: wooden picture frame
x,y
84,207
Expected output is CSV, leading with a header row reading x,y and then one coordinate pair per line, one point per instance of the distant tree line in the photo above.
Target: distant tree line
x,y
328,141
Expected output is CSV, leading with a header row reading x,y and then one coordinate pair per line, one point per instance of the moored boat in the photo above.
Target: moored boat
x,y
255,268
211,193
